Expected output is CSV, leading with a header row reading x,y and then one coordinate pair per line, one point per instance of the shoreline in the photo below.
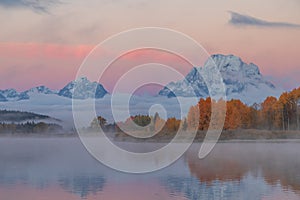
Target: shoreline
x,y
234,136
160,142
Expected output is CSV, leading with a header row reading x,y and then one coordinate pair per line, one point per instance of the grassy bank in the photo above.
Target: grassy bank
x,y
242,134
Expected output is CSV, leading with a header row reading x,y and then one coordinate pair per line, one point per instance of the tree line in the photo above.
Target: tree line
x,y
30,127
272,114
151,123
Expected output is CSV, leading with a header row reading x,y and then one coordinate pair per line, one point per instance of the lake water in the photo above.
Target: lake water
x,y
60,168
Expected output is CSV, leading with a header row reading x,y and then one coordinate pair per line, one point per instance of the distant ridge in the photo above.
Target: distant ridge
x,y
84,89
242,81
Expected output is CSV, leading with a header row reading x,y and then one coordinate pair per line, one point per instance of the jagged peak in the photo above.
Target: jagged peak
x,y
82,79
9,90
82,88
240,79
41,89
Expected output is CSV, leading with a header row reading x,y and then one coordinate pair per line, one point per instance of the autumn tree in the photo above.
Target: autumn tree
x,y
172,125
193,118
295,101
254,116
233,118
205,113
285,108
269,112
158,122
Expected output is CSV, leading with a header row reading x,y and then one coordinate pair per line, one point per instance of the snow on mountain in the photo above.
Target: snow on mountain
x,y
82,88
242,81
40,89
13,95
2,98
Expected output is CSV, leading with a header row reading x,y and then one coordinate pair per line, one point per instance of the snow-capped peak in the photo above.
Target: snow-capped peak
x,y
41,89
12,95
82,88
242,81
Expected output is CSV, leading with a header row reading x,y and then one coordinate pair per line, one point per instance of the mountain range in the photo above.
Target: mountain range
x,y
241,80
81,88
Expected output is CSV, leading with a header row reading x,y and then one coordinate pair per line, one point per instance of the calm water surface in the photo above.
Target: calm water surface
x,y
60,168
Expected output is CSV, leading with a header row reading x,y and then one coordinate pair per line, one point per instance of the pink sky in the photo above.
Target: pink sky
x,y
38,48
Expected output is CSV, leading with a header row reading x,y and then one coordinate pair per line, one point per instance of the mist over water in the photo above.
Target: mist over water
x,y
61,108
61,168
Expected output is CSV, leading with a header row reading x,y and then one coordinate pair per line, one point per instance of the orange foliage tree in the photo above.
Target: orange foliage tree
x,y
282,113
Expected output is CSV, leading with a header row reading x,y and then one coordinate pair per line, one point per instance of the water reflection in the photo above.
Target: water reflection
x,y
275,163
62,169
47,163
82,185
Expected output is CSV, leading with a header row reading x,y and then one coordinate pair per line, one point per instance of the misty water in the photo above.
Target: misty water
x,y
61,168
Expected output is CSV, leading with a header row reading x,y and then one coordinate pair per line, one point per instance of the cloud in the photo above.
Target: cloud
x,y
246,20
36,5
